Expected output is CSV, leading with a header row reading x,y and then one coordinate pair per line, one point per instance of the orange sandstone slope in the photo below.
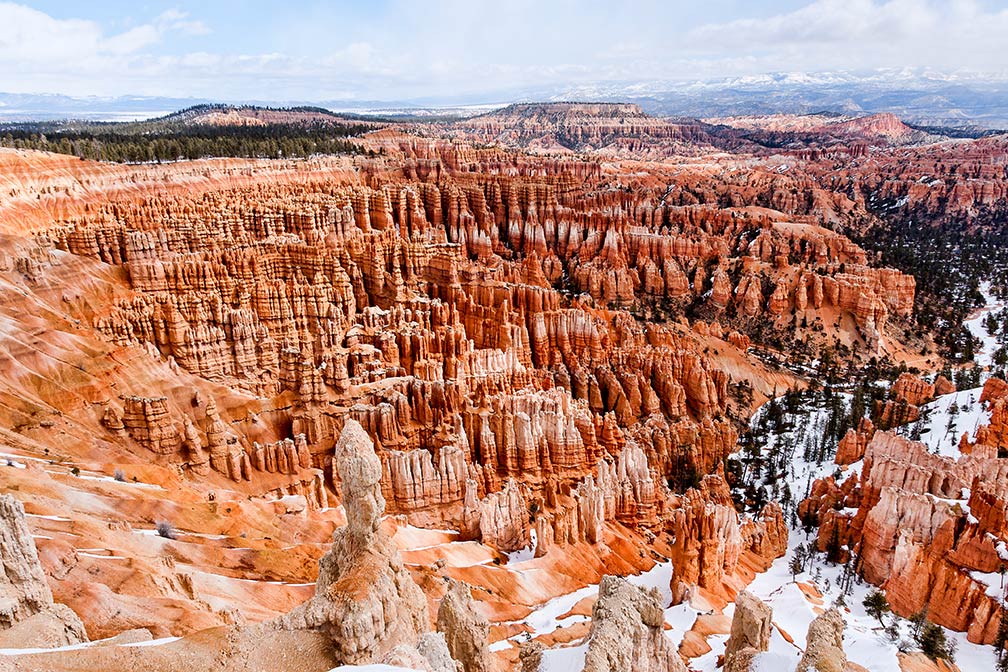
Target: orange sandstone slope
x,y
183,343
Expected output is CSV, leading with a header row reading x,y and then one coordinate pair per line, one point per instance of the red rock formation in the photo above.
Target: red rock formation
x,y
943,386
709,537
148,422
995,433
472,308
912,389
851,447
910,519
365,600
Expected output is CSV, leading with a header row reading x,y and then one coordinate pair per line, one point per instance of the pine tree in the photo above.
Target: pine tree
x,y
876,604
1002,635
934,644
795,567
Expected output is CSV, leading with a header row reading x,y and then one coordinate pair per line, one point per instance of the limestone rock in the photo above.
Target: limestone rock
x,y
465,631
627,631
403,656
751,626
824,644
28,615
434,649
365,598
148,420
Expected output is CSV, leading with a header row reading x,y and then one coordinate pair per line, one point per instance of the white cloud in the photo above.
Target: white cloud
x,y
34,42
173,19
854,34
454,47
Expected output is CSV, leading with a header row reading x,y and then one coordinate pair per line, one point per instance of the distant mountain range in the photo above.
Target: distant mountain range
x,y
959,100
923,99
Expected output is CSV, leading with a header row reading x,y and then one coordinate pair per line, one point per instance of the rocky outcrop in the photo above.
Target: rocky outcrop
x,y
429,655
28,615
912,389
994,435
148,421
627,631
504,519
824,644
465,631
710,538
750,629
920,524
943,386
434,649
851,447
906,396
707,532
365,599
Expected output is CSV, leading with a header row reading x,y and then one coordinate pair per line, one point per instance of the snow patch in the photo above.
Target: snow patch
x,y
527,553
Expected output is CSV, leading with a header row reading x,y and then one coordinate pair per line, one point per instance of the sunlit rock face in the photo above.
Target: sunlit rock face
x,y
365,599
922,523
627,631
543,351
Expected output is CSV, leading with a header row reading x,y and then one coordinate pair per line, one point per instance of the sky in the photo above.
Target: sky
x,y
392,50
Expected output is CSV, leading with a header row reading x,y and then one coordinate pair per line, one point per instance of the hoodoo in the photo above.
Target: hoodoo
x,y
700,377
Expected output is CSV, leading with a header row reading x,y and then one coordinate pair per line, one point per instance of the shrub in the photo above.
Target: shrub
x,y
165,529
120,476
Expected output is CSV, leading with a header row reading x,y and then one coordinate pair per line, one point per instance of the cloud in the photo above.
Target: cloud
x,y
34,40
175,20
405,49
851,34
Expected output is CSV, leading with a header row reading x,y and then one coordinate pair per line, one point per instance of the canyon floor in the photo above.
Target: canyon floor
x,y
415,408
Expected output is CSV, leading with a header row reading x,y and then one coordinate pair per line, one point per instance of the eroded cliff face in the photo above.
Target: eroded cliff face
x,y
210,329
925,527
419,300
750,632
475,313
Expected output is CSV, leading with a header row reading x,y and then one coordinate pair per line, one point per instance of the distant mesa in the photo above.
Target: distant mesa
x,y
252,115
